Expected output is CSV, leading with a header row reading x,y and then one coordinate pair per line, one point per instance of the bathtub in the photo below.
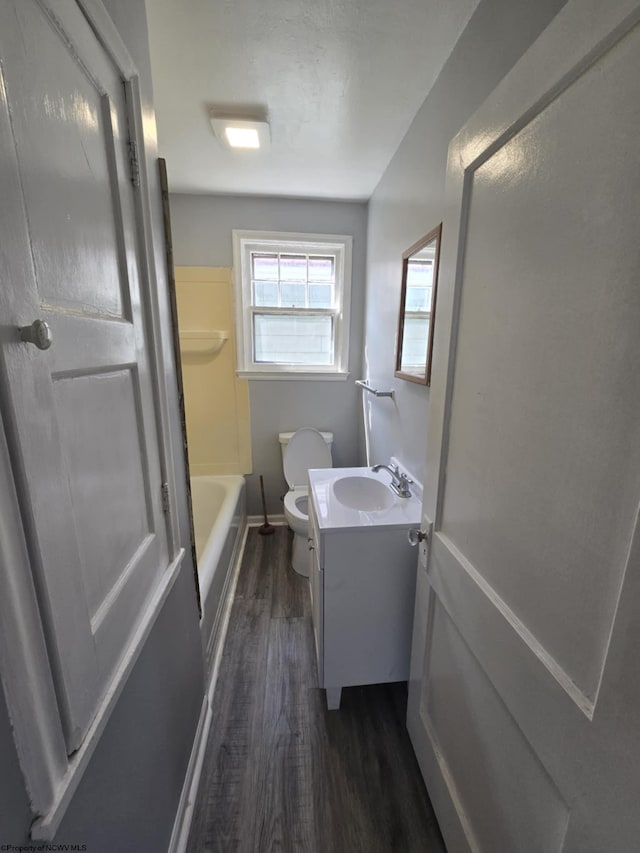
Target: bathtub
x,y
219,521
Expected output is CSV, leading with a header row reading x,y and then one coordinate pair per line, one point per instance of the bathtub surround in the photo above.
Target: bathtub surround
x,y
409,199
216,401
202,226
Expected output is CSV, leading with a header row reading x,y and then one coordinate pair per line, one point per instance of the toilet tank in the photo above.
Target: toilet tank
x,y
283,438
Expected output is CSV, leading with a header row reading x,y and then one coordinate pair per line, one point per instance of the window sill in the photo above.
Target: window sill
x,y
286,375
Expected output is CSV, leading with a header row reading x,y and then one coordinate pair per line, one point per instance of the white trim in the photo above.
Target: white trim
x,y
189,793
25,672
151,306
45,827
258,520
293,374
184,814
246,241
106,33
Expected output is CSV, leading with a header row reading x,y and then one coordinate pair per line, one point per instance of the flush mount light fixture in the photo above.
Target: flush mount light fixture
x,y
240,132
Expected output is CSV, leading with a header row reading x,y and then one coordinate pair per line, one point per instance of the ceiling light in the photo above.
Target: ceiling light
x,y
242,137
240,133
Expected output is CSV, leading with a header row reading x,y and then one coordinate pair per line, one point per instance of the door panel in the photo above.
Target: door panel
x,y
82,426
549,272
84,133
521,670
538,819
98,418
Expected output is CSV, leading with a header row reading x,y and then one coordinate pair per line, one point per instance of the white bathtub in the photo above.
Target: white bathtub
x,y
219,520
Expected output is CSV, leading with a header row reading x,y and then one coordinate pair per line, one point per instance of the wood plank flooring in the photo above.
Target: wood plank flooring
x,y
281,773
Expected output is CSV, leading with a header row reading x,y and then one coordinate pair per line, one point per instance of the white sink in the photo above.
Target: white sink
x,y
363,493
357,497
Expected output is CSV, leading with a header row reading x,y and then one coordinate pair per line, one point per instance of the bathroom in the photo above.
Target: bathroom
x,y
514,694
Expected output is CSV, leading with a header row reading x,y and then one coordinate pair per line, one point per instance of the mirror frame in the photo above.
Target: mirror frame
x,y
422,379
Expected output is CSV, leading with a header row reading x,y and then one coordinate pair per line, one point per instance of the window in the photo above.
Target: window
x,y
417,313
292,304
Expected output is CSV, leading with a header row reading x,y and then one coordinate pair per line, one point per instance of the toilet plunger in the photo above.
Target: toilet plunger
x,y
265,529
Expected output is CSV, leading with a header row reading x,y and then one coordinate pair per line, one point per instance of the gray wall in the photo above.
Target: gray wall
x,y
202,226
408,202
128,796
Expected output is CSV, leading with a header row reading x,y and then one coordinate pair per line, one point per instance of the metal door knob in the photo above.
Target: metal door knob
x,y
38,334
415,536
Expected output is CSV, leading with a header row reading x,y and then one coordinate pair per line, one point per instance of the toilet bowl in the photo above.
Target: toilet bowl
x,y
306,448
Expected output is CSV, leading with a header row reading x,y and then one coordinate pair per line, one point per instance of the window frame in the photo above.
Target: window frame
x,y
340,247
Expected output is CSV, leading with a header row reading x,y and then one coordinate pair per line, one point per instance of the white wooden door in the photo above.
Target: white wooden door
x,y
524,704
81,415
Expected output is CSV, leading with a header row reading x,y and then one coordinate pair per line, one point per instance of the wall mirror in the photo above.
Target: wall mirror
x,y
417,308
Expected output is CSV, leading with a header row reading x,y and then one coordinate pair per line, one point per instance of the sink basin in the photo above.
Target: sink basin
x,y
363,493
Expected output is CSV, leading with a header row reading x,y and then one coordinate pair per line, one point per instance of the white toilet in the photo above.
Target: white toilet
x,y
301,450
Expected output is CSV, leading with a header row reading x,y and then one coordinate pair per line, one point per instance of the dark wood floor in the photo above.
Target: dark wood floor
x,y
282,773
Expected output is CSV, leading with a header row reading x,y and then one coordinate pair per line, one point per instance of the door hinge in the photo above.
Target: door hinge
x,y
165,497
134,163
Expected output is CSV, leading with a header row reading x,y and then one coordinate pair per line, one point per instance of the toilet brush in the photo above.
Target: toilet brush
x,y
265,529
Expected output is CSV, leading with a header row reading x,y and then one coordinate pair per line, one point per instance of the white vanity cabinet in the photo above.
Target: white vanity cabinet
x,y
362,584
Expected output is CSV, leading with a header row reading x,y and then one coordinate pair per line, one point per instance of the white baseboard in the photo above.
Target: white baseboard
x,y
184,815
257,520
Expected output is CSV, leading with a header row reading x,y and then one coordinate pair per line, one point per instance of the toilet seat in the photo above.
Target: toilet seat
x,y
291,507
304,449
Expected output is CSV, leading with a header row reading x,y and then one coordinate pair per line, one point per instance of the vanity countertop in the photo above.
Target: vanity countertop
x,y
333,515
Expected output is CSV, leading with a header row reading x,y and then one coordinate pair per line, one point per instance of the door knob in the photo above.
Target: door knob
x,y
416,536
38,334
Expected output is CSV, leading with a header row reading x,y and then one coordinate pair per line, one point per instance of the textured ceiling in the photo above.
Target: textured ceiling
x,y
340,80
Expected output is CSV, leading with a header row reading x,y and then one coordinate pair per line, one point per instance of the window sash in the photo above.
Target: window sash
x,y
298,342
271,276
250,245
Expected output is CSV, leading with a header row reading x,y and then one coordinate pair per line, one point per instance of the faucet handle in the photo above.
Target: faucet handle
x,y
403,486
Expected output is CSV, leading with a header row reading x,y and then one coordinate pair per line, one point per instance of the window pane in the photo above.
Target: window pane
x,y
419,273
321,269
320,296
265,293
293,295
290,339
265,266
418,299
293,268
414,344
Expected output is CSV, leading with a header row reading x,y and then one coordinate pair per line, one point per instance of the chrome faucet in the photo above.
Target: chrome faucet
x,y
399,482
